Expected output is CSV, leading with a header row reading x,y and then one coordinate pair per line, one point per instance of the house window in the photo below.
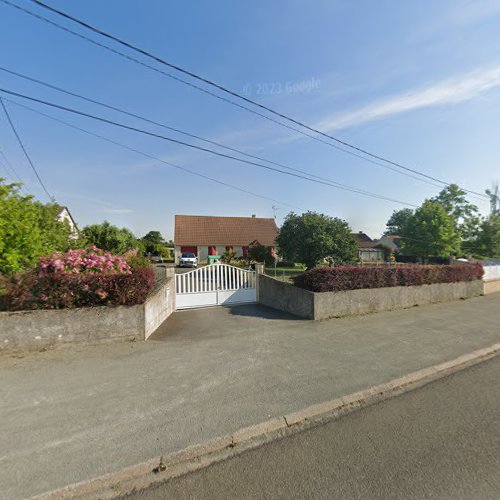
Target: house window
x,y
212,250
229,249
245,252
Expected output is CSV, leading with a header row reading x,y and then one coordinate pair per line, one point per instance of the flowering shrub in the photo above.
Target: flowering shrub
x,y
89,260
80,278
332,279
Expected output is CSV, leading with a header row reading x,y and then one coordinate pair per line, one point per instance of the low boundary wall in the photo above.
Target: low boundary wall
x,y
324,305
34,330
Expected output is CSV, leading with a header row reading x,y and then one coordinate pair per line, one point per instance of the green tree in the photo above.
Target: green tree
x,y
110,238
153,242
28,230
430,232
312,238
453,199
397,220
487,242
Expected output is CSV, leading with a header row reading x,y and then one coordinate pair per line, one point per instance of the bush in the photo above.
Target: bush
x,y
138,262
62,290
333,279
260,253
228,257
88,260
80,278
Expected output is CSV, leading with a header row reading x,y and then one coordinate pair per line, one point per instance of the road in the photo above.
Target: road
x,y
440,441
206,373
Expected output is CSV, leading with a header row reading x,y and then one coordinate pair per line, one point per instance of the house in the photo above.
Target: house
x,y
391,242
209,235
369,250
64,215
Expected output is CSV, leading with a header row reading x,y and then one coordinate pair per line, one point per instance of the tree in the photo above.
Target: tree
x,y
311,238
28,230
430,232
110,238
153,242
397,220
453,199
487,243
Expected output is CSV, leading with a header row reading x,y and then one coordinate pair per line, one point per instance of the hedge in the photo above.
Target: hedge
x,y
62,290
333,279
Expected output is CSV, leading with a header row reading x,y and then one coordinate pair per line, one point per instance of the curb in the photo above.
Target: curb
x,y
161,469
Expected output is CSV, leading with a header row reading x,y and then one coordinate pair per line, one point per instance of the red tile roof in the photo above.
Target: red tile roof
x,y
208,230
360,237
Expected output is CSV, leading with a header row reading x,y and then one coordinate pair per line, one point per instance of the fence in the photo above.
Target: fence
x,y
491,272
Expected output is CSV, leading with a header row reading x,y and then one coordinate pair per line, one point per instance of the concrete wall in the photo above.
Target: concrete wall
x,y
305,304
202,255
34,330
356,302
285,297
491,286
159,306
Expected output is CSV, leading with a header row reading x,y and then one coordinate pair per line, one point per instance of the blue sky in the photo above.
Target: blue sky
x,y
417,82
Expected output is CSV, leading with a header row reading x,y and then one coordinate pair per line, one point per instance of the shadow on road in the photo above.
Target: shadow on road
x,y
259,311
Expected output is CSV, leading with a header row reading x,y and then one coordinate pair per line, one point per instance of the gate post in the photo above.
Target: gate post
x,y
259,269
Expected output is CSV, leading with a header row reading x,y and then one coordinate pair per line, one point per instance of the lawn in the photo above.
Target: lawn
x,y
284,273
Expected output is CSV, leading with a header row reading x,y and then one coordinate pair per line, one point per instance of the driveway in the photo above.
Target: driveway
x,y
71,414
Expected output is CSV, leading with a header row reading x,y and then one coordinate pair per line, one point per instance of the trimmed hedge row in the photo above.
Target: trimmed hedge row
x,y
334,279
63,290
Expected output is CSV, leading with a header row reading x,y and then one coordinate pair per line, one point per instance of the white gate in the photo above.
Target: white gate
x,y
214,285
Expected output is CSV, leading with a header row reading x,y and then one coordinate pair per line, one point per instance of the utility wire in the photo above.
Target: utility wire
x,y
11,167
200,148
232,92
177,130
232,102
12,126
147,155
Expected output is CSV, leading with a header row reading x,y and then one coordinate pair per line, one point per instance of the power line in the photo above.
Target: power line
x,y
200,148
147,155
231,92
177,130
12,126
11,167
222,98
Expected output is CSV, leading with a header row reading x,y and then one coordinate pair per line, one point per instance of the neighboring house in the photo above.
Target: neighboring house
x,y
208,235
370,250
64,215
391,242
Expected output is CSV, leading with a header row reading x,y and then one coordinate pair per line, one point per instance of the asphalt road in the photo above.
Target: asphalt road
x,y
441,441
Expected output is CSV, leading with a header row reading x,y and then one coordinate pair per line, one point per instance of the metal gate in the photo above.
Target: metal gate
x,y
214,285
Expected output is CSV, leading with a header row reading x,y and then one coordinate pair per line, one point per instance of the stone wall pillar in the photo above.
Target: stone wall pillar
x,y
259,271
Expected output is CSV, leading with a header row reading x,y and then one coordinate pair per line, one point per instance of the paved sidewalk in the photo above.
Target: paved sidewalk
x,y
73,414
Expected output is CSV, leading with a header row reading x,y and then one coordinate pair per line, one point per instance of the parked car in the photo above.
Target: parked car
x,y
157,259
188,260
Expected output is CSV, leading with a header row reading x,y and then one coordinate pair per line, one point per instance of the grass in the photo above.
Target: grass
x,y
284,273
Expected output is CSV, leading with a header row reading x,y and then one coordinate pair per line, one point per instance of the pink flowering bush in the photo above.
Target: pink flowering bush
x,y
80,278
89,260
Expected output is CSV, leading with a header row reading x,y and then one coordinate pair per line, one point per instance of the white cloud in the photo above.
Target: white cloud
x,y
449,91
